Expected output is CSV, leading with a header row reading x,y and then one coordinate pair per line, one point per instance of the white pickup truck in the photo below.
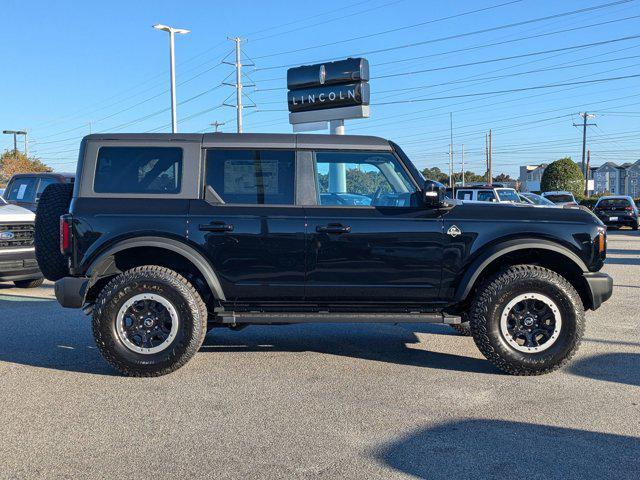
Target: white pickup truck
x,y
17,256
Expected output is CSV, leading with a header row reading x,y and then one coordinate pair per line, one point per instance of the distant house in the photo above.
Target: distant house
x,y
530,177
606,179
633,180
618,179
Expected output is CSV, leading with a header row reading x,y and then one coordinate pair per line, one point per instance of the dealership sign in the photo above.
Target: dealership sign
x,y
328,91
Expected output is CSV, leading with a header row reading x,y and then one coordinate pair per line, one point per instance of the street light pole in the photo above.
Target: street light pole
x,y
172,31
15,134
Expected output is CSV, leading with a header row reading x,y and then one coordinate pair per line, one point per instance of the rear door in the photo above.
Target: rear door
x,y
369,238
249,225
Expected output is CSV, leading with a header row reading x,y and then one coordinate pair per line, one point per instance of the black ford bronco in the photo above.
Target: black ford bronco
x,y
164,236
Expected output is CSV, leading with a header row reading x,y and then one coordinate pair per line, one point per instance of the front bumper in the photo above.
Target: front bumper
x,y
20,264
600,287
71,291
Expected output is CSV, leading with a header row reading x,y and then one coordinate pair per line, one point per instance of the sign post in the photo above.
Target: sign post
x,y
328,92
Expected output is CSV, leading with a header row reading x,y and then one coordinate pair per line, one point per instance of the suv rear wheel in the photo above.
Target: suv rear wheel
x,y
149,321
527,320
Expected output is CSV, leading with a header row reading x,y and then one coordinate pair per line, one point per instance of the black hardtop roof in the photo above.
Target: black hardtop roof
x,y
248,140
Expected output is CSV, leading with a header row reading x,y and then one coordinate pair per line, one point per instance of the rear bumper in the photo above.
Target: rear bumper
x,y
600,287
71,291
625,220
18,265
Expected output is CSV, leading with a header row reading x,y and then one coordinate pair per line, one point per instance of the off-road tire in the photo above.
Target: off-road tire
x,y
494,295
29,283
192,315
464,328
53,203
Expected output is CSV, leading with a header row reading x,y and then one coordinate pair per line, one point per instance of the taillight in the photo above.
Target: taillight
x,y
65,234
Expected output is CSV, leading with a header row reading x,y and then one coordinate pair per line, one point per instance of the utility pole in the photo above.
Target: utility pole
x,y
486,155
490,169
15,134
451,151
216,124
585,116
26,144
586,177
462,157
172,66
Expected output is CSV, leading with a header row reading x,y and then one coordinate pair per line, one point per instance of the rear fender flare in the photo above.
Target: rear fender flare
x,y
104,264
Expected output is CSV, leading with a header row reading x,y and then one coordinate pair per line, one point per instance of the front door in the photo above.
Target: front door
x,y
370,239
248,224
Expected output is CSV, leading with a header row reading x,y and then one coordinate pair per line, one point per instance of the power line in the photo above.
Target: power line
x,y
393,30
524,89
449,37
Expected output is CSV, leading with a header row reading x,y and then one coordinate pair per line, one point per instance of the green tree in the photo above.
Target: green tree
x,y
503,177
435,174
563,174
12,162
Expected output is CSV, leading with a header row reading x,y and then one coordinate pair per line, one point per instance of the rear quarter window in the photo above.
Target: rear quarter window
x,y
141,170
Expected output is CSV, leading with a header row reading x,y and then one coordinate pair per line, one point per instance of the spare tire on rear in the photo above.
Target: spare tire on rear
x,y
53,203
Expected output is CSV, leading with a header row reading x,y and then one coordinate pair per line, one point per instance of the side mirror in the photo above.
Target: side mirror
x,y
433,193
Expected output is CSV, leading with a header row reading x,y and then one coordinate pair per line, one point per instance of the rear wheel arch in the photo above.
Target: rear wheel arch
x,y
550,255
161,251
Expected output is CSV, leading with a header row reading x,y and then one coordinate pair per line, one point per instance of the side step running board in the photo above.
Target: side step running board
x,y
233,318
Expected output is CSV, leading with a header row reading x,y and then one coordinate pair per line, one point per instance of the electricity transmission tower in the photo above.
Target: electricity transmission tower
x,y
238,84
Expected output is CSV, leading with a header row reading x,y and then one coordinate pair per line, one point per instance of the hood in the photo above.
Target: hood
x,y
515,212
14,213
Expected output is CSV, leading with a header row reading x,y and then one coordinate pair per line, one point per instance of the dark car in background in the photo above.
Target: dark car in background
x,y
617,211
24,189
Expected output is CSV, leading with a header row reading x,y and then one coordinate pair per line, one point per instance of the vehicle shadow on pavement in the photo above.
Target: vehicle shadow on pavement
x,y
381,343
480,448
32,335
611,367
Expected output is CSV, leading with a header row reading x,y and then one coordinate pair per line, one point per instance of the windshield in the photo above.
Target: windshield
x,y
508,195
537,199
560,198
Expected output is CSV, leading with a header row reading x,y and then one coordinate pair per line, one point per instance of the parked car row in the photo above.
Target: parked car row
x,y
18,202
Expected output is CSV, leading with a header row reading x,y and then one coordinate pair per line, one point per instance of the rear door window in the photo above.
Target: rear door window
x,y
22,190
464,195
254,177
614,203
142,170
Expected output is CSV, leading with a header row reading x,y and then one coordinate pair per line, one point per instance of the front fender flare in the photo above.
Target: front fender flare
x,y
104,263
492,253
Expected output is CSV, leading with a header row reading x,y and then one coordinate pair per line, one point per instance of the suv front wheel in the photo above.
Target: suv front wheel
x,y
527,320
149,321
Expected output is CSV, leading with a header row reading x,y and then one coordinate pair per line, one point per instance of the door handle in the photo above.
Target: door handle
x,y
216,227
333,228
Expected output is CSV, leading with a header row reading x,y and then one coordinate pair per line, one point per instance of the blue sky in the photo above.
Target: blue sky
x,y
68,64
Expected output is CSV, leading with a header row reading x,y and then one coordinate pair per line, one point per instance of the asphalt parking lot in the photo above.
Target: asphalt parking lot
x,y
328,401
